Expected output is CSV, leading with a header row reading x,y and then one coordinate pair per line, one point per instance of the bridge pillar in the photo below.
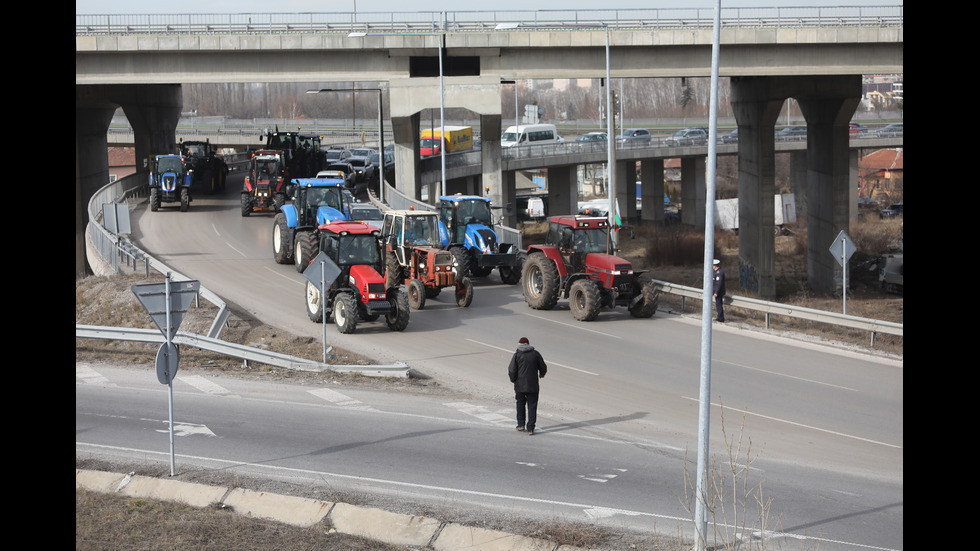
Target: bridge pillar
x,y
562,190
626,191
152,109
492,173
652,190
828,105
693,189
406,132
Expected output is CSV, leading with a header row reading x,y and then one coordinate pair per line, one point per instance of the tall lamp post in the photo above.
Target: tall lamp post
x,y
381,129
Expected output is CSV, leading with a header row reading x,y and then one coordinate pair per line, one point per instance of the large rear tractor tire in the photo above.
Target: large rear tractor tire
x,y
583,300
314,308
416,294
540,282
393,271
461,260
246,204
185,199
281,248
646,299
510,275
397,317
345,313
305,250
278,201
464,292
154,199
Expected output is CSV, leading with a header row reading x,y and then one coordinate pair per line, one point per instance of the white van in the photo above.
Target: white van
x,y
530,134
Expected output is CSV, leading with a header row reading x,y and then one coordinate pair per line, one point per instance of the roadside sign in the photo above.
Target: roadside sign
x,y
842,248
168,357
115,217
323,266
153,297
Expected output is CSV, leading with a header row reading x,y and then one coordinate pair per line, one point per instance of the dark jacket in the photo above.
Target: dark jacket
x,y
526,366
718,277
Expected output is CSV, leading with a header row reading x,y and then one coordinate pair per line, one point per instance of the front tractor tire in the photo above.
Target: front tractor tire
x,y
185,199
397,317
646,299
246,204
314,306
281,249
464,292
584,300
416,294
461,261
154,199
393,271
305,250
345,313
540,282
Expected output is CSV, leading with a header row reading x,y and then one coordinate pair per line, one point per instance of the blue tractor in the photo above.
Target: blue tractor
x,y
466,227
170,182
296,229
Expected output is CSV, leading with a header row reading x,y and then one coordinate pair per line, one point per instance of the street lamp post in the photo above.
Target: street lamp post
x,y
381,130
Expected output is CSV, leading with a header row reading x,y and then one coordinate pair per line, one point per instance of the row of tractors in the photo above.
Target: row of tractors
x,y
417,254
195,165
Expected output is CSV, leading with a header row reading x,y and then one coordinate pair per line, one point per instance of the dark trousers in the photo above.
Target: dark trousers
x,y
720,306
527,409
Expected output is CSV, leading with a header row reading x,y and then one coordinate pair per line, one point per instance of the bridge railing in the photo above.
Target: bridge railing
x,y
483,21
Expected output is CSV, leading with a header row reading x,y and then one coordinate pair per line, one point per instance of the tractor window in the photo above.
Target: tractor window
x,y
420,230
358,249
475,212
590,241
169,164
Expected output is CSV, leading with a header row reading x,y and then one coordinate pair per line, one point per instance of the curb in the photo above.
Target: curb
x,y
376,524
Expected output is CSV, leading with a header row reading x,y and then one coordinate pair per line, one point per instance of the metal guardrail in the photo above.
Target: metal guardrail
x,y
770,309
483,21
246,353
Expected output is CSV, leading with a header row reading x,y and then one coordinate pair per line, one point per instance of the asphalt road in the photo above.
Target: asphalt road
x,y
825,425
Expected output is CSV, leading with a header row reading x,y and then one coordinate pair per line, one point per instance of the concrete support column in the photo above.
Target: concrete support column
x,y
693,190
562,190
153,112
652,186
91,169
408,176
626,190
852,201
490,156
756,103
797,180
829,184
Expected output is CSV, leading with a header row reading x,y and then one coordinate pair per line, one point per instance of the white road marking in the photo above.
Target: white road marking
x,y
206,386
788,376
187,429
339,399
550,363
90,376
480,412
284,277
236,250
578,326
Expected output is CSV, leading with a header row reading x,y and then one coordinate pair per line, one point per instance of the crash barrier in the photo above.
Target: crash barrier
x,y
770,309
112,247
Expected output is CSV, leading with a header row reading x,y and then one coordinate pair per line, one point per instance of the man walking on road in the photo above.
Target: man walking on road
x,y
526,367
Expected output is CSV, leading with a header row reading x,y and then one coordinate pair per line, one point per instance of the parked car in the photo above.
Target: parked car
x,y
688,136
893,130
367,213
731,137
634,137
336,154
894,210
791,134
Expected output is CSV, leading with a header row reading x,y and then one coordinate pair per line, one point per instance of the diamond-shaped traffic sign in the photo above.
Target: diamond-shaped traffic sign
x,y
153,297
842,248
322,266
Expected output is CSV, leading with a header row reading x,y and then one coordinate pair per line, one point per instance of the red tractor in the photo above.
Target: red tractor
x,y
358,292
412,258
265,188
575,264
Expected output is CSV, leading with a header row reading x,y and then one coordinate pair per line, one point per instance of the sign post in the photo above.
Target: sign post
x,y
167,306
842,249
322,272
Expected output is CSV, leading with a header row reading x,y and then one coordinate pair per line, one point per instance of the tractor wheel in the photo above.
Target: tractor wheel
x,y
281,249
393,271
246,204
314,308
461,260
345,313
432,292
509,275
646,296
154,199
397,317
305,250
185,199
464,292
222,176
583,300
480,271
416,294
540,282
278,201
211,182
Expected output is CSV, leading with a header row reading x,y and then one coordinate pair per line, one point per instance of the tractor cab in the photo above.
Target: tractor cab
x,y
463,214
403,230
577,237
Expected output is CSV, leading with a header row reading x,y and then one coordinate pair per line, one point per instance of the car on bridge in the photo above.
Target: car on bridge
x,y
590,141
633,137
731,137
688,136
893,130
791,134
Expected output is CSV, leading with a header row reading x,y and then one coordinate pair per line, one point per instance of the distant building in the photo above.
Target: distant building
x,y
122,162
881,175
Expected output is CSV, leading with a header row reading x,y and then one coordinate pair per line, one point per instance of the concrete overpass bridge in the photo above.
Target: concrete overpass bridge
x,y
458,59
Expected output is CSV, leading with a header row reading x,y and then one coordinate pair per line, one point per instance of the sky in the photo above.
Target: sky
x,y
296,6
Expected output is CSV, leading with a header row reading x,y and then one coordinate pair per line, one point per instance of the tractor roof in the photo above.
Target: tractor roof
x,y
580,222
461,197
318,182
412,212
341,227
